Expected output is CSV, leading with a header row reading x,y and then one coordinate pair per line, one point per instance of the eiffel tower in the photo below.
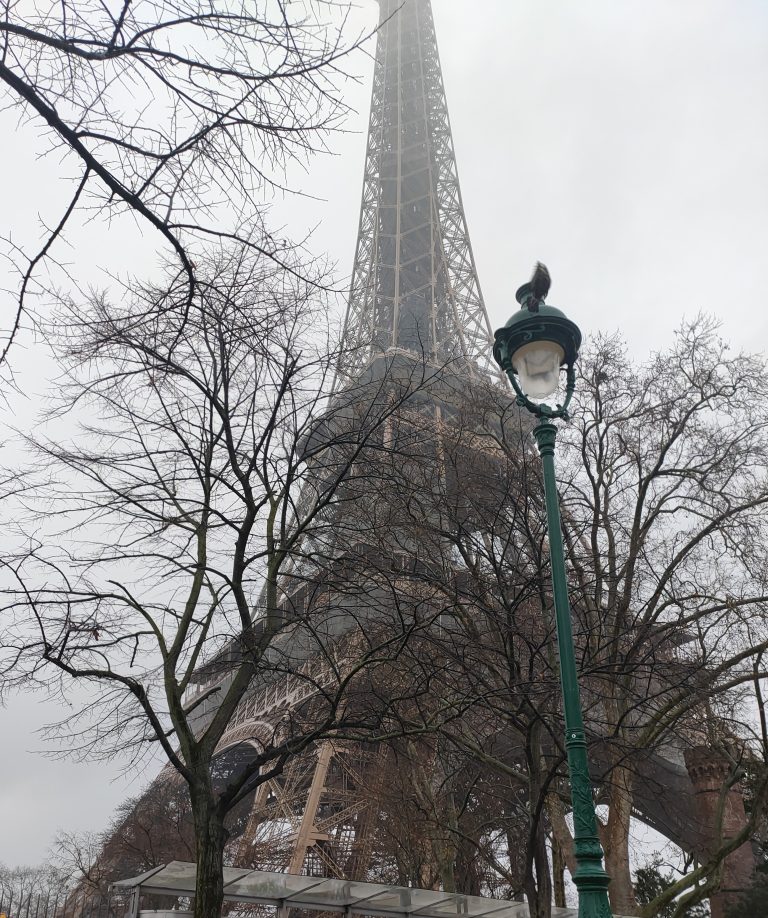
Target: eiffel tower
x,y
415,296
414,281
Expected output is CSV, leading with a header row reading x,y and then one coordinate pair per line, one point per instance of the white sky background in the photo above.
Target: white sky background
x,y
625,144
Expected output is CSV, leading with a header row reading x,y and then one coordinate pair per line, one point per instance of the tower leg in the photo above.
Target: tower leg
x,y
307,834
243,857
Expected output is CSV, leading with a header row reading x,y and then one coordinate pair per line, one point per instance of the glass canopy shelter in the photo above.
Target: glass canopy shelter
x,y
283,890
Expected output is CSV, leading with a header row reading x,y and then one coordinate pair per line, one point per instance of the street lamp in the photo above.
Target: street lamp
x,y
532,348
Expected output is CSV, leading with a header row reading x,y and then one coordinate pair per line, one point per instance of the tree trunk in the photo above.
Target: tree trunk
x,y
558,872
210,837
444,848
560,831
621,891
538,889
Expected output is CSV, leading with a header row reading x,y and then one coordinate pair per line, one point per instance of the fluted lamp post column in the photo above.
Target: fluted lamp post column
x,y
532,348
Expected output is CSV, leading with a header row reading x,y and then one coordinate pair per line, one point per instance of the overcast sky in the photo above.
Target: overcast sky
x,y
623,143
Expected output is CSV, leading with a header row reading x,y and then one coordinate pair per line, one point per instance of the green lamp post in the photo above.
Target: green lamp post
x,y
532,348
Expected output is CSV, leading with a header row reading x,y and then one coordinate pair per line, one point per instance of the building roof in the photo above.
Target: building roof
x,y
324,894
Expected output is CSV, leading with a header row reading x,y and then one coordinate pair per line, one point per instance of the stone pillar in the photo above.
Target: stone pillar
x,y
709,770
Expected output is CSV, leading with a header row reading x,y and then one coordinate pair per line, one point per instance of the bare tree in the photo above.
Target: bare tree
x,y
21,886
145,831
664,492
170,534
663,487
178,114
77,855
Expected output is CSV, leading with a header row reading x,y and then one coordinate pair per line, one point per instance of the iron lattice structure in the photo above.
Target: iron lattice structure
x,y
315,816
414,282
414,289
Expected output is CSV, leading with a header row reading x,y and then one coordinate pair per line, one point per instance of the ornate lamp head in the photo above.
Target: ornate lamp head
x,y
534,345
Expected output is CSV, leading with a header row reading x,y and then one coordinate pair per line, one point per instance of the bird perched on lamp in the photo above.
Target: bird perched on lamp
x,y
540,284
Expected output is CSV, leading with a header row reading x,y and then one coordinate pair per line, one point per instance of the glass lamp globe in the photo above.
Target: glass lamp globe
x,y
537,365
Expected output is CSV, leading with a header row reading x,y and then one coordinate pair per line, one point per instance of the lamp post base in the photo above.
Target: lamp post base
x,y
593,903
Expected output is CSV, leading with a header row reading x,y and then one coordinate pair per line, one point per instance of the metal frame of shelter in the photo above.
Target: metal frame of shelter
x,y
289,891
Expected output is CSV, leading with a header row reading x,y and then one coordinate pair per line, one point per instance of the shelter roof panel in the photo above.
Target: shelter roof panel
x,y
326,894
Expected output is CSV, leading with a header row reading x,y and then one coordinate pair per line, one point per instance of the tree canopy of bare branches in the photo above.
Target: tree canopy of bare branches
x,y
158,540
387,550
177,113
663,482
664,498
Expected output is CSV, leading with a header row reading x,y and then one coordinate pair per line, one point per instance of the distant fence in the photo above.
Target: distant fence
x,y
15,904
